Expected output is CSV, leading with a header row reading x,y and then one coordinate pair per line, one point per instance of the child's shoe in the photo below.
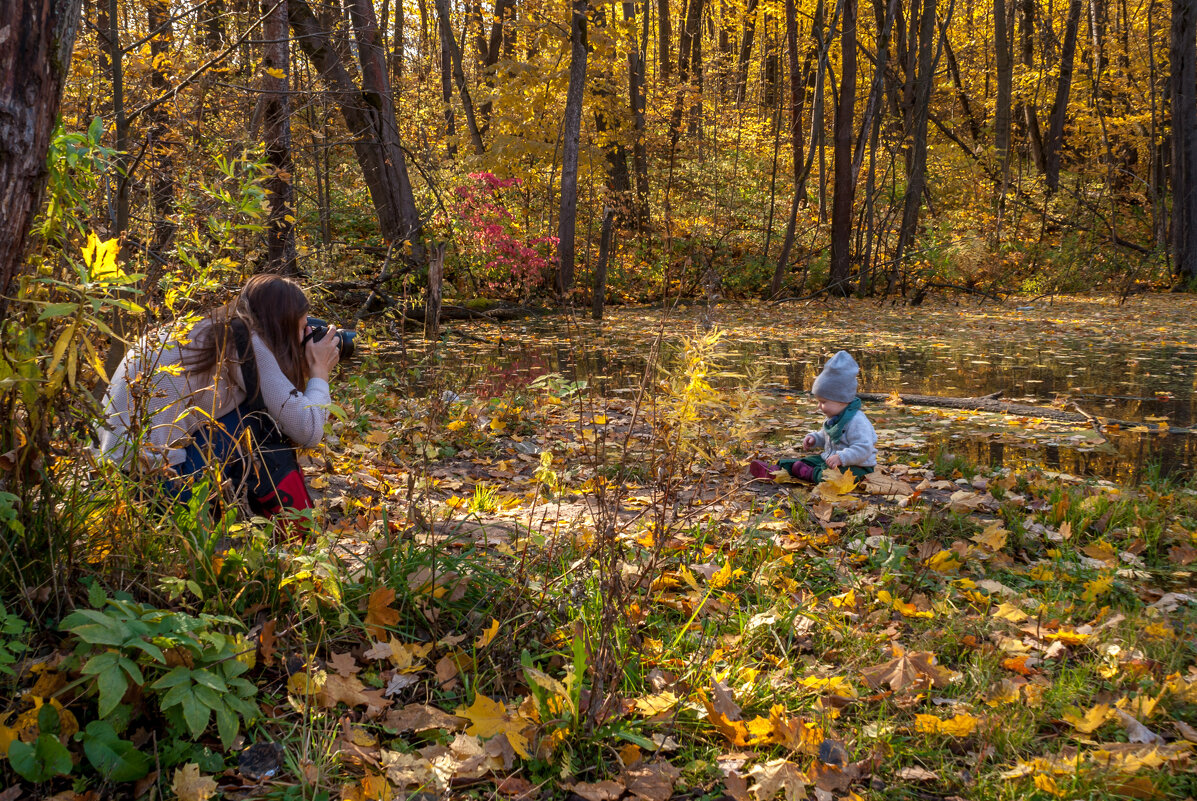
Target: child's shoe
x,y
759,469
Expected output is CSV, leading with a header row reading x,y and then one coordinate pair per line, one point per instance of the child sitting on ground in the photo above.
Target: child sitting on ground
x,y
847,439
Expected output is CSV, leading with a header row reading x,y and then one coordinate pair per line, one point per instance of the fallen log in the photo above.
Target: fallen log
x,y
991,403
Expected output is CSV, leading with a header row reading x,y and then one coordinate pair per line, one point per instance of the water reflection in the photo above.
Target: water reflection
x,y
1149,382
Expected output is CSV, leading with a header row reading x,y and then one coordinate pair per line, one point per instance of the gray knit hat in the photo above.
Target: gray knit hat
x,y
837,382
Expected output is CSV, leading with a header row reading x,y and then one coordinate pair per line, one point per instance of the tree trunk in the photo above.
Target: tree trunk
x,y
619,184
504,13
571,134
917,173
664,29
1030,112
369,112
436,275
800,79
446,61
1055,130
1184,138
692,54
599,291
845,185
162,171
1001,118
467,105
34,59
637,101
280,226
745,50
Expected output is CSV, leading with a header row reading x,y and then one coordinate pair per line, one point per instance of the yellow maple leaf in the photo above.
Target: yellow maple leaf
x,y
836,483
489,718
1048,785
1008,611
7,737
651,705
944,562
1088,721
379,613
190,785
488,635
1097,588
275,72
724,575
993,537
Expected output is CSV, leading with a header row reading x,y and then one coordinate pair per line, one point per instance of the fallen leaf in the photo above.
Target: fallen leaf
x,y
421,717
775,776
908,670
917,774
652,782
605,790
379,612
190,785
488,635
1088,721
1136,732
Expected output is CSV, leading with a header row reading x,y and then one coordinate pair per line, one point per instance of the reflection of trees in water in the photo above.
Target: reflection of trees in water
x,y
1134,454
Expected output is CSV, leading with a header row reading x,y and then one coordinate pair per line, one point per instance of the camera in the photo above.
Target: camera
x,y
344,337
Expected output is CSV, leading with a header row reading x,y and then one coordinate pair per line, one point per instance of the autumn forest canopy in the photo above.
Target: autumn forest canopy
x,y
537,528
767,148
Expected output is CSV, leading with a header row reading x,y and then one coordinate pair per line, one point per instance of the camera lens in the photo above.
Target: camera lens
x,y
346,344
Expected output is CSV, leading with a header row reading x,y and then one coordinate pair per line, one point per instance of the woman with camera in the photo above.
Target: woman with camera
x,y
221,397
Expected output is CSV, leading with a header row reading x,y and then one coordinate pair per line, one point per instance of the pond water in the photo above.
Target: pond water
x,y
1136,362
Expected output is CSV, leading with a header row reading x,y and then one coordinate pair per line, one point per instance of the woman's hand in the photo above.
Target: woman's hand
x,y
808,442
322,354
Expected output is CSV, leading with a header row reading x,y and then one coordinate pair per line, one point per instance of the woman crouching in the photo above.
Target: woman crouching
x,y
221,398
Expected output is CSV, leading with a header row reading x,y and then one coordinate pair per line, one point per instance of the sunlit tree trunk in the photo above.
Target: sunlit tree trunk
x,y
1184,138
845,184
1029,109
571,134
280,226
690,62
34,59
504,17
446,62
369,111
1055,129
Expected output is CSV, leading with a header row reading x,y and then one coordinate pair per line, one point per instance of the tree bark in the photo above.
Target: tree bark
x,y
467,105
665,33
162,172
571,134
691,54
1001,118
798,89
845,184
504,13
280,225
637,101
1183,96
745,50
917,172
1030,112
369,114
599,291
35,57
1055,130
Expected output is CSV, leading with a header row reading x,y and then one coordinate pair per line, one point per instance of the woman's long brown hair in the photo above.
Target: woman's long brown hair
x,y
269,305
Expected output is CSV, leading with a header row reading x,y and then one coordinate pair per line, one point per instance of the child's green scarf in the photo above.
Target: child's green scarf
x,y
834,426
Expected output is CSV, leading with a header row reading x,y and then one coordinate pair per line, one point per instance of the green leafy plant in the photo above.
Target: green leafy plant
x,y
122,641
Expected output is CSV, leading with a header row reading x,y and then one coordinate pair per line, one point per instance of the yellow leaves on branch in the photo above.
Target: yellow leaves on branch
x,y
100,258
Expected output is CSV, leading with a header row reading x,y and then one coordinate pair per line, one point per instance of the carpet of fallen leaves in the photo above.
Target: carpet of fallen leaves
x,y
529,589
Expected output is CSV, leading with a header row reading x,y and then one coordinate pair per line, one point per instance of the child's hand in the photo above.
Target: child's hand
x,y
834,461
808,442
